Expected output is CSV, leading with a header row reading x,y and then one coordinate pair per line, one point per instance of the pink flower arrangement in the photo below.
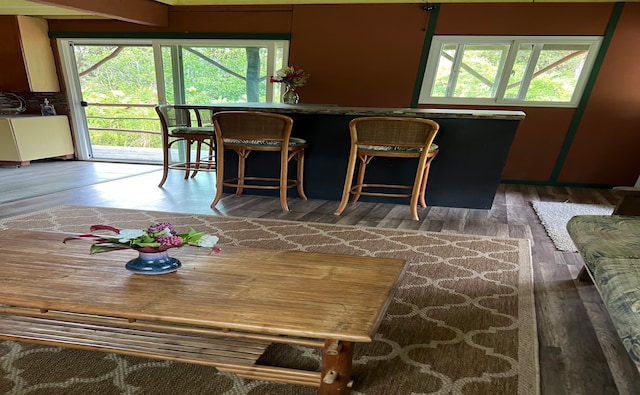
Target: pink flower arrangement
x,y
157,238
290,75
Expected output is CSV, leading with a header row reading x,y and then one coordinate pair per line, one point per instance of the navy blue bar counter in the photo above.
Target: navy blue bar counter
x,y
474,145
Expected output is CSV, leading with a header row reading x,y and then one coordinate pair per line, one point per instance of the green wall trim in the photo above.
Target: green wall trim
x,y
430,31
173,36
575,122
556,184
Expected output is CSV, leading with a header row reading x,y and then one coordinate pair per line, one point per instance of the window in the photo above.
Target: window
x,y
549,71
226,71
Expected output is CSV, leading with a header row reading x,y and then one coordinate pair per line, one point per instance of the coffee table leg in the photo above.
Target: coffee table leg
x,y
337,359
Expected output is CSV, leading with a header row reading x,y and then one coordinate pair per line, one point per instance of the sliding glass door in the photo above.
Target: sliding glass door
x,y
116,91
114,85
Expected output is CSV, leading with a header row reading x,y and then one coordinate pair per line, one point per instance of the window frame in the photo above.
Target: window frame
x,y
514,43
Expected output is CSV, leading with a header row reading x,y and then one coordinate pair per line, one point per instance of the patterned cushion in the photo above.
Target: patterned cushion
x,y
605,236
618,281
610,248
432,148
293,141
201,131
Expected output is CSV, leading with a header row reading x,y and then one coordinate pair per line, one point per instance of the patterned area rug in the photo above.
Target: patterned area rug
x,y
462,321
554,216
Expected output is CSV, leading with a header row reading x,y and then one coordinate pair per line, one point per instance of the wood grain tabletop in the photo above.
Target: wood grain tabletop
x,y
305,294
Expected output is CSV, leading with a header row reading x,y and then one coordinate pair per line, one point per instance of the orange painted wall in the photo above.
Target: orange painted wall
x,y
369,55
606,147
524,18
12,68
538,144
359,55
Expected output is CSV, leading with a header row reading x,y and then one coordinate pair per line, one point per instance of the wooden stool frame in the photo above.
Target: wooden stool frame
x,y
183,123
248,131
393,137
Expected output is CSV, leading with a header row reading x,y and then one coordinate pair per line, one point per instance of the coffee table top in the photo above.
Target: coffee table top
x,y
306,294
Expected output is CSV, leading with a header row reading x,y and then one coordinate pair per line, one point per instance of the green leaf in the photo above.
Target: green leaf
x,y
192,236
106,247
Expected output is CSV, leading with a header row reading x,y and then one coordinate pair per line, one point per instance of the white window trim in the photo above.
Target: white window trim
x,y
514,41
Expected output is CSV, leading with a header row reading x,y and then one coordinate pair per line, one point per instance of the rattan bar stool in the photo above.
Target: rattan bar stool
x,y
183,123
393,137
248,131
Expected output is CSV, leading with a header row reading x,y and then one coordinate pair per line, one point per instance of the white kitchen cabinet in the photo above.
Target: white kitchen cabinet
x,y
24,138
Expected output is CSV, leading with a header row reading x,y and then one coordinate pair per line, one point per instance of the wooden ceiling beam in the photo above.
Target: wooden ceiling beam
x,y
143,12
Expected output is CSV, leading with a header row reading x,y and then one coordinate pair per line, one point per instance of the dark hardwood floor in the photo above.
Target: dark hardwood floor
x,y
579,350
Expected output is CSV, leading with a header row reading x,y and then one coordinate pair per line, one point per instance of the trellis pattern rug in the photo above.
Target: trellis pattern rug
x,y
554,216
462,321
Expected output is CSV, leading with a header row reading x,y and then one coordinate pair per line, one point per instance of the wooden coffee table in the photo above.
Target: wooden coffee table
x,y
221,310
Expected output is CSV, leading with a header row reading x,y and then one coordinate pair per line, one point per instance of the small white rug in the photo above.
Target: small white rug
x,y
554,217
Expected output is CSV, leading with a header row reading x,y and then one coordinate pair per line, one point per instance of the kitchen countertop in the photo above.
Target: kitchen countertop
x,y
372,111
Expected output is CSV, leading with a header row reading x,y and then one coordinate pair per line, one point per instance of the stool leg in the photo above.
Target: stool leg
x,y
212,154
242,156
198,148
416,191
284,170
364,161
219,176
165,161
188,158
423,186
413,204
425,176
300,175
346,191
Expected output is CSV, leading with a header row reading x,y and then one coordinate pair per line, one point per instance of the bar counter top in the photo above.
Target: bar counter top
x,y
369,111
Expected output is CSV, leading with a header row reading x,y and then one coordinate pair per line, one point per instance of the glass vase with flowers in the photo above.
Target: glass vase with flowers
x,y
291,77
152,245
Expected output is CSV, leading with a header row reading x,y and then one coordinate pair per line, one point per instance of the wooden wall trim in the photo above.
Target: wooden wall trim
x,y
428,38
134,11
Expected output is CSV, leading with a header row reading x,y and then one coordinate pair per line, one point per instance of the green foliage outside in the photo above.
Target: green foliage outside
x,y
554,80
219,75
126,75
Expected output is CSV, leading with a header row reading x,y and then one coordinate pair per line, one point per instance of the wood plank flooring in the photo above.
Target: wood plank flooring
x,y
32,183
579,350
